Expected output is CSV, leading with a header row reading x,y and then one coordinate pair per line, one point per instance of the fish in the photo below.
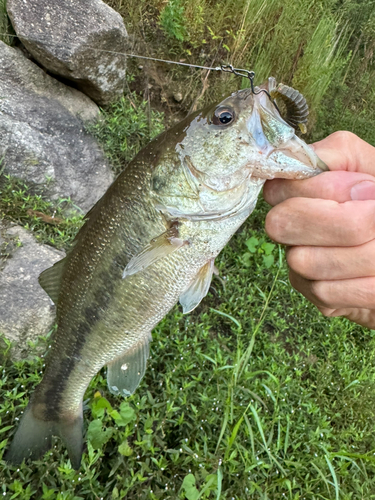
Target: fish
x,y
148,243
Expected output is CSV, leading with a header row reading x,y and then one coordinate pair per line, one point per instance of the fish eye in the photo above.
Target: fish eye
x,y
223,116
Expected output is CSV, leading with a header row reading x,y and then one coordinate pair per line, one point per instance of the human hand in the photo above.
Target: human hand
x,y
328,225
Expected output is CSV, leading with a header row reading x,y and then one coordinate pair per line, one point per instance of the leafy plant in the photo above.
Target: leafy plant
x,y
260,247
172,20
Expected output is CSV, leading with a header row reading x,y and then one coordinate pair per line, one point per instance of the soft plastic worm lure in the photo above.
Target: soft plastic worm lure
x,y
297,109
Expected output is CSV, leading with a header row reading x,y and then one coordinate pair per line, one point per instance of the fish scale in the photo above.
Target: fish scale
x,y
148,243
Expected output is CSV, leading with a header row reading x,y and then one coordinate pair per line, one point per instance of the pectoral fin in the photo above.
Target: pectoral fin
x,y
198,289
126,372
158,248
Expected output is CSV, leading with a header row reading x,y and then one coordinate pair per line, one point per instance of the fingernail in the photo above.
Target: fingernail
x,y
364,190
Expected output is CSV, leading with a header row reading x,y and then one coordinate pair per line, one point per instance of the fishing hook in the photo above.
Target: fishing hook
x,y
245,73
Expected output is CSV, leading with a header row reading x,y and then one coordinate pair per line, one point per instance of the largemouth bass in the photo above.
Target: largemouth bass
x,y
150,242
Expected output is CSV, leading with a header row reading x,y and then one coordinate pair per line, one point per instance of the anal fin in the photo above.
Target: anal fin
x,y
198,288
159,247
126,371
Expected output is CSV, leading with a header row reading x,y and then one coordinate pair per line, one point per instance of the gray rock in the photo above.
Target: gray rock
x,y
26,311
42,137
76,40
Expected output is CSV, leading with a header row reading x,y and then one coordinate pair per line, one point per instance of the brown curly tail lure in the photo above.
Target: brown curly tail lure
x,y
296,106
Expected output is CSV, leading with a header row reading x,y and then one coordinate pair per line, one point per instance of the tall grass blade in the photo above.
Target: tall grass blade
x,y
223,427
251,436
233,436
334,477
221,313
286,442
321,475
259,424
219,482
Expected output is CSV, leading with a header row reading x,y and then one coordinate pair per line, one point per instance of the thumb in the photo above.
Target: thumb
x,y
338,186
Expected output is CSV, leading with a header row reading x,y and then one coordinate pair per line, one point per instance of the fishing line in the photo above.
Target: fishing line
x,y
126,54
226,68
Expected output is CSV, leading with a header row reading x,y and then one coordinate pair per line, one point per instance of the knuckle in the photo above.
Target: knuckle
x,y
272,224
279,222
320,292
301,260
326,312
293,280
333,313
269,193
297,282
360,226
344,137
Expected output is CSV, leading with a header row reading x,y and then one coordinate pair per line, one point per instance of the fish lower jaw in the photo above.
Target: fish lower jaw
x,y
273,171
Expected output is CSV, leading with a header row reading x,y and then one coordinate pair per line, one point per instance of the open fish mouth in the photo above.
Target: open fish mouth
x,y
297,159
301,163
281,153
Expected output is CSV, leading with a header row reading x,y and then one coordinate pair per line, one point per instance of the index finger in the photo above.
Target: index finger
x,y
337,186
316,222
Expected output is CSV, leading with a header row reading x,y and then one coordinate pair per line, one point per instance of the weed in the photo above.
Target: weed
x,y
173,21
125,127
19,203
6,30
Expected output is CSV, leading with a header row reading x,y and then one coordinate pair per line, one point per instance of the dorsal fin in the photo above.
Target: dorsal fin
x,y
126,371
50,279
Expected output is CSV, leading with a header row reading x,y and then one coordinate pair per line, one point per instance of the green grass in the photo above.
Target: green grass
x,y
315,46
19,202
283,409
6,30
300,43
125,127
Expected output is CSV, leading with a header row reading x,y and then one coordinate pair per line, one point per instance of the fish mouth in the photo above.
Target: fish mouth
x,y
281,153
294,160
300,151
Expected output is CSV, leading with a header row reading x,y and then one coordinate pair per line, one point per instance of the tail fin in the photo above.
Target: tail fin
x,y
34,437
